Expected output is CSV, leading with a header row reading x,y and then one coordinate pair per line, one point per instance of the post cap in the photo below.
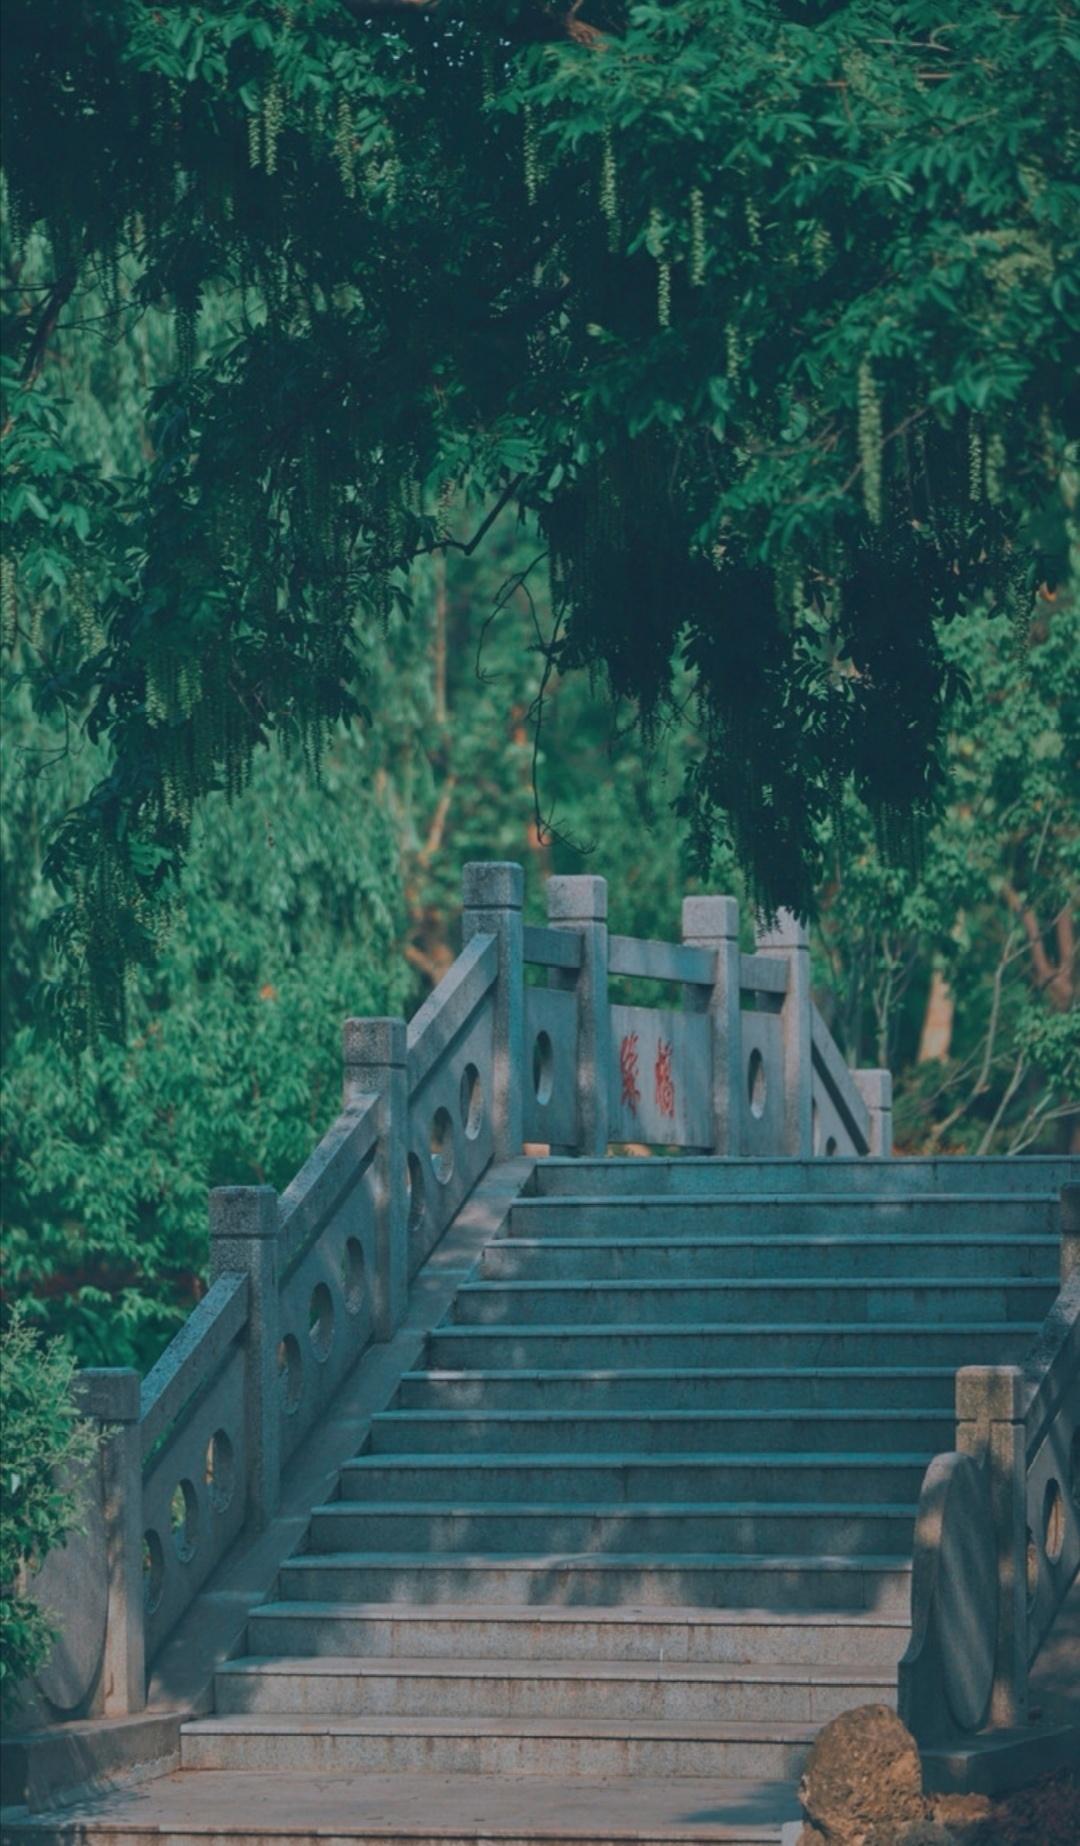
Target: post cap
x,y
990,1394
372,1044
581,898
109,1393
710,919
782,935
492,884
243,1211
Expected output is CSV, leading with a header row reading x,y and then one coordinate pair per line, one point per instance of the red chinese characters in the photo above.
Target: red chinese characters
x,y
663,1079
628,1070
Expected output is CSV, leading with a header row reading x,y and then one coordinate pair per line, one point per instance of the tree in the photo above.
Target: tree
x,y
981,946
762,309
45,1450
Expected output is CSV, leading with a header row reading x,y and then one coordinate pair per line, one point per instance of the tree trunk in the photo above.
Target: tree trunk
x,y
935,1041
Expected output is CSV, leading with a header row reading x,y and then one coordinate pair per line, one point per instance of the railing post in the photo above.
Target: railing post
x,y
713,923
580,904
1070,1232
375,1055
244,1238
493,892
789,940
990,1426
875,1088
111,1397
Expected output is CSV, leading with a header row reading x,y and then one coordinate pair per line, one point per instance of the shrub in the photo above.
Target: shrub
x,y
44,1446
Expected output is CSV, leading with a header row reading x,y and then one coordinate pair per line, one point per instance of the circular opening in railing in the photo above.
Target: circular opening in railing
x,y
153,1564
543,1068
1053,1522
1074,1469
321,1321
1032,1569
755,1084
184,1519
472,1102
830,1147
353,1279
414,1187
290,1365
442,1145
220,1474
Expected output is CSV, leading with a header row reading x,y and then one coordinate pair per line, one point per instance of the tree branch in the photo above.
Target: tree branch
x,y
59,296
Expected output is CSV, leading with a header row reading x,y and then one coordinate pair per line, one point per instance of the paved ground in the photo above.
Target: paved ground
x,y
468,1808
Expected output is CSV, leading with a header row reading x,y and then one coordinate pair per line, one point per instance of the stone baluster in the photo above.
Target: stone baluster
x,y
493,892
875,1088
110,1397
580,904
990,1426
375,1058
789,939
244,1239
713,923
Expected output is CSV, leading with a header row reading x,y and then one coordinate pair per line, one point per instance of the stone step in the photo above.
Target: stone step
x,y
711,1580
578,1478
663,1530
308,1808
638,1216
701,1388
769,1344
851,1255
659,1432
546,1632
924,1300
559,1746
688,1174
516,1688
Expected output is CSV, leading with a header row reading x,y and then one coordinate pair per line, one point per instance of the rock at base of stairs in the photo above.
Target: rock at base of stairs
x,y
862,1781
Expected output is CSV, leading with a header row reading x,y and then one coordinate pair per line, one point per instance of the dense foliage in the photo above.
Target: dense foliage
x,y
761,308
43,1448
305,901
963,981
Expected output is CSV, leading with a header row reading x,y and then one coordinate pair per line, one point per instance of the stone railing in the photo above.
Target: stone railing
x,y
739,1062
997,1535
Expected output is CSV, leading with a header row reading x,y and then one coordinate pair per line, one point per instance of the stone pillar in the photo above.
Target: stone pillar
x,y
713,923
244,1238
376,1065
580,904
990,1426
493,892
875,1088
790,941
111,1397
1070,1232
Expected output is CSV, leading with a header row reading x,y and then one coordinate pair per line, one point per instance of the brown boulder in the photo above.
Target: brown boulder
x,y
862,1785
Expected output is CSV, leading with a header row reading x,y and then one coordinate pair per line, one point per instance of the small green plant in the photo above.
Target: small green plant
x,y
44,1444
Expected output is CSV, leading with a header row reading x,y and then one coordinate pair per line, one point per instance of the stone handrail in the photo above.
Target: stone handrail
x,y
192,1357
301,1284
740,1062
997,1535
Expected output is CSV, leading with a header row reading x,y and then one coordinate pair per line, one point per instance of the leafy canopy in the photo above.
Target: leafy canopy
x,y
762,309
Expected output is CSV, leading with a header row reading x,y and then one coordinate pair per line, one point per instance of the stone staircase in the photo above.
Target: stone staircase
x,y
643,1519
